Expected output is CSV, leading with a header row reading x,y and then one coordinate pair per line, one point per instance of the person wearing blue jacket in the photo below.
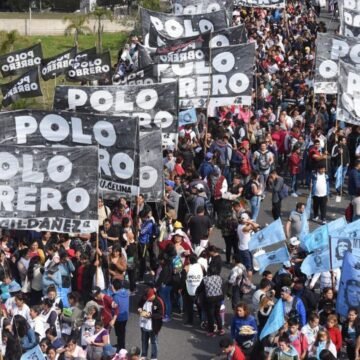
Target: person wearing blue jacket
x,y
121,299
244,328
25,333
206,167
293,306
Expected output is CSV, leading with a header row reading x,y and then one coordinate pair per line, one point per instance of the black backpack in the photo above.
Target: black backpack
x,y
248,193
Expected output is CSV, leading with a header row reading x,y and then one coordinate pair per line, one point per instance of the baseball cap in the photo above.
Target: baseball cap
x,y
286,290
294,241
287,264
95,291
169,183
199,187
209,156
179,232
245,216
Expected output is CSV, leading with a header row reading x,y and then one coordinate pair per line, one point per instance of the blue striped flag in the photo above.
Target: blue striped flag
x,y
275,321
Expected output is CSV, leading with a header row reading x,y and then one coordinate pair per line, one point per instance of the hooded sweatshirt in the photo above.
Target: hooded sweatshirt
x,y
291,354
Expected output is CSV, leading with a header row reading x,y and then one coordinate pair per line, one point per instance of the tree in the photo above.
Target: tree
x,y
9,39
77,25
100,14
150,4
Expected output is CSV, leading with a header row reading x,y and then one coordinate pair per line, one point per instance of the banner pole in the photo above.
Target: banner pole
x,y
331,266
97,258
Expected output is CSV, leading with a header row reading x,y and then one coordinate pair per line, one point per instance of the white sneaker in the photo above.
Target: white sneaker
x,y
294,195
315,219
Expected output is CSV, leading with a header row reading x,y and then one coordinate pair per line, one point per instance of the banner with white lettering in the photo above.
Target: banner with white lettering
x,y
182,56
348,104
90,66
261,3
349,11
156,105
145,76
191,7
57,65
51,189
176,27
26,86
151,168
232,74
230,36
16,62
329,49
118,152
165,44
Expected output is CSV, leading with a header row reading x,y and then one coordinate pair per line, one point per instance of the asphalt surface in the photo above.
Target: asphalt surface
x,y
179,342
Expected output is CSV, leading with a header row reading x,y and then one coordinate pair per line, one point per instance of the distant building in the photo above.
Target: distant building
x,y
87,5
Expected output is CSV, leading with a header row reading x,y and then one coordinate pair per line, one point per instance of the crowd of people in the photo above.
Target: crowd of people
x,y
71,294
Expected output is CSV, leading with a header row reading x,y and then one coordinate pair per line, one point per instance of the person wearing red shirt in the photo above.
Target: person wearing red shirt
x,y
294,165
109,309
334,331
232,350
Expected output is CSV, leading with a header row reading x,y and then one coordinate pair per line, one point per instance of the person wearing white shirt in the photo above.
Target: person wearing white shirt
x,y
20,308
37,323
327,279
310,330
320,192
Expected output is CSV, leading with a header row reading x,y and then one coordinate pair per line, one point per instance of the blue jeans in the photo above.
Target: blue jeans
x,y
255,207
294,184
145,337
165,294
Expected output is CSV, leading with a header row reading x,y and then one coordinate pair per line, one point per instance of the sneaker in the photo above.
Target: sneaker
x,y
316,219
203,325
253,287
166,319
294,194
323,222
222,332
210,334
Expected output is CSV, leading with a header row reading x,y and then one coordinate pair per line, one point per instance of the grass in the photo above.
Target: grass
x,y
53,45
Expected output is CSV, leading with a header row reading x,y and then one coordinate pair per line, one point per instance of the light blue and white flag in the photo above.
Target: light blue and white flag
x,y
33,354
337,225
340,245
349,289
187,117
308,207
316,262
275,321
304,227
338,177
274,257
352,229
270,235
317,239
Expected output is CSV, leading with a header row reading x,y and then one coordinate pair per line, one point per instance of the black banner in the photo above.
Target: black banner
x,y
261,3
143,57
227,80
329,49
50,189
350,18
118,152
57,65
230,36
151,169
176,27
190,7
348,104
166,44
183,56
232,74
26,86
16,62
156,105
90,66
144,76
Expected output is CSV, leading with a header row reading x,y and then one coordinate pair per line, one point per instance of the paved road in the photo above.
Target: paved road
x,y
178,342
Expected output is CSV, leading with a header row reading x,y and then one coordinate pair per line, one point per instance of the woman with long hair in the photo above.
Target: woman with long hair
x,y
323,341
24,332
117,266
97,342
332,326
349,332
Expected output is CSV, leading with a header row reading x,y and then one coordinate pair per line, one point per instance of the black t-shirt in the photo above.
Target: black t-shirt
x,y
199,226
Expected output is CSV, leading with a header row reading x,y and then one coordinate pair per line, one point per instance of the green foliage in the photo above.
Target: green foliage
x,y
150,4
77,26
8,41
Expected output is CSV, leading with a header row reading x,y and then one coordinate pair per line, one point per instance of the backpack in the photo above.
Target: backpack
x,y
213,286
294,314
244,283
248,193
263,161
209,208
177,267
284,192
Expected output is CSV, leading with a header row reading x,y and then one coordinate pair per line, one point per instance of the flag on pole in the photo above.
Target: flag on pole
x,y
273,257
316,262
338,177
275,321
349,289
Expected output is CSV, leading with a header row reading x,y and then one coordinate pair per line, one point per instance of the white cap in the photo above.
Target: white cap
x,y
245,216
294,241
199,186
179,232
